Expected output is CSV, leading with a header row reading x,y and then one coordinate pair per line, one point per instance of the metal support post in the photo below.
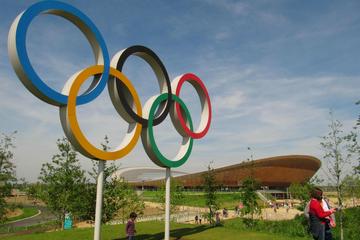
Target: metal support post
x,y
167,204
99,200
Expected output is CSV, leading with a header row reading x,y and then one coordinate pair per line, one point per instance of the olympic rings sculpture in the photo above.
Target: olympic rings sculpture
x,y
122,93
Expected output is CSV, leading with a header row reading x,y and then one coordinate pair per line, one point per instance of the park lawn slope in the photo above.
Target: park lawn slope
x,y
26,212
153,231
197,199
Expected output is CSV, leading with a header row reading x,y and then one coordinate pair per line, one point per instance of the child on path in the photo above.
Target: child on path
x,y
130,227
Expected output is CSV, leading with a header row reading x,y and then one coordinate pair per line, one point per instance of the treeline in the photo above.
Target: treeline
x,y
66,188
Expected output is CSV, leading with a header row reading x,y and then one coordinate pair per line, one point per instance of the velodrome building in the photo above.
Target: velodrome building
x,y
273,173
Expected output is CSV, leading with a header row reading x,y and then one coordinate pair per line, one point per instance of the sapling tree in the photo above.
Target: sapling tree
x,y
177,195
249,199
119,197
248,194
210,188
337,157
351,187
64,183
7,171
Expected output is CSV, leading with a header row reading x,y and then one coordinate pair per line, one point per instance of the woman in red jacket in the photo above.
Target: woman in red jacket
x,y
317,215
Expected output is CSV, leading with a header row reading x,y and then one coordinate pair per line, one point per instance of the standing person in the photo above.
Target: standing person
x,y
130,226
196,219
317,215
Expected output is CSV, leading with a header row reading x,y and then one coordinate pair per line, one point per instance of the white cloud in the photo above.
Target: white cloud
x,y
235,7
229,101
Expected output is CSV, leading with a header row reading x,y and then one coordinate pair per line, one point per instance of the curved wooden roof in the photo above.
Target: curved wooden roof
x,y
278,171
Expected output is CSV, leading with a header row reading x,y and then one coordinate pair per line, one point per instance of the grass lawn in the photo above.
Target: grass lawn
x,y
197,199
154,231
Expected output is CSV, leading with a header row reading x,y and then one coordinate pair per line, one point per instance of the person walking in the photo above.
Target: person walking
x,y
317,215
130,226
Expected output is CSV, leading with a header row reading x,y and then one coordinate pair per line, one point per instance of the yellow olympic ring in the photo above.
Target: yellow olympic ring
x,y
71,126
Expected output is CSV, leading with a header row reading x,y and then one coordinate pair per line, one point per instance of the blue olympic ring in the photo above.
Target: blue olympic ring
x,y
86,26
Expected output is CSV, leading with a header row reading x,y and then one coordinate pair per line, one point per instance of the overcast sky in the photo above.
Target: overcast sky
x,y
273,69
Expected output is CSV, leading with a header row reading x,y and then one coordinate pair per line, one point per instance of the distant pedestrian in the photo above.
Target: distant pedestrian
x,y
286,205
196,219
130,226
217,218
225,213
275,207
200,220
236,210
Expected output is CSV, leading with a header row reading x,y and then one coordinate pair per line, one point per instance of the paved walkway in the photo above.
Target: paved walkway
x,y
44,216
187,214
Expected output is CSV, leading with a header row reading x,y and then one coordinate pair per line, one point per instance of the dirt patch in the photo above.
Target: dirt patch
x,y
84,224
152,209
14,213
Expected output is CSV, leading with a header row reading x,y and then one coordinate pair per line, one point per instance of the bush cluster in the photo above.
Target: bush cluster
x,y
298,227
351,219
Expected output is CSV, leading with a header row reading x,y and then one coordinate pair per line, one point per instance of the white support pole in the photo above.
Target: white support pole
x,y
167,204
99,200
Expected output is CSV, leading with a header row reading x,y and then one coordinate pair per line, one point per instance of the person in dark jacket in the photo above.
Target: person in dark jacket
x,y
317,215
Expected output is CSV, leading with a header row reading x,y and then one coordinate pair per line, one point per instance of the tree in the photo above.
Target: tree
x,y
358,120
34,191
119,198
122,200
355,147
249,199
300,191
351,187
177,195
248,195
210,188
336,153
251,163
64,183
21,184
109,170
7,171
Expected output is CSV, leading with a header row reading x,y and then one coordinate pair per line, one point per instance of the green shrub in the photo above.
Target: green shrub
x,y
351,221
296,227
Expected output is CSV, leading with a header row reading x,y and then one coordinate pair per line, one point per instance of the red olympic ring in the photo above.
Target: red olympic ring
x,y
205,104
